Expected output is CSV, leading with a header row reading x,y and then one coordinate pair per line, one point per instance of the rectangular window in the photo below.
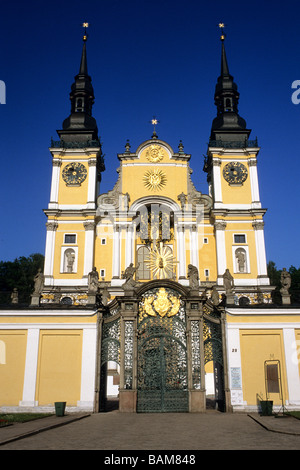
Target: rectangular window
x,y
206,272
70,238
239,238
103,241
102,272
205,240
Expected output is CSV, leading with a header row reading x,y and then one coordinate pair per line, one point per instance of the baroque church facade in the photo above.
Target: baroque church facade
x,y
153,293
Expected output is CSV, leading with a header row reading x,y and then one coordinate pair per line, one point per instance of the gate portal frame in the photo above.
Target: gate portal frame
x,y
180,340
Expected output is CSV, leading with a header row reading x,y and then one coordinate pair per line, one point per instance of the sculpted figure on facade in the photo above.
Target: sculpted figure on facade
x,y
93,281
14,296
70,258
285,280
215,296
241,260
182,199
38,282
128,274
193,276
228,282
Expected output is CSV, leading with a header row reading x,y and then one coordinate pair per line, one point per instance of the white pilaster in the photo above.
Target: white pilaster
x,y
194,246
129,245
49,251
89,247
217,192
292,366
116,253
181,252
261,252
254,184
31,362
92,184
88,367
221,250
55,182
235,366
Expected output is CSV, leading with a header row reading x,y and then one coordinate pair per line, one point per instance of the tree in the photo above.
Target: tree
x,y
275,275
295,286
19,274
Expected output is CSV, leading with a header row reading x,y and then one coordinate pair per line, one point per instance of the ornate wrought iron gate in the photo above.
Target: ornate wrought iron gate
x,y
162,379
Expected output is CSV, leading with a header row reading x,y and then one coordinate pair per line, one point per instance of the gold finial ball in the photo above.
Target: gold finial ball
x,y
85,26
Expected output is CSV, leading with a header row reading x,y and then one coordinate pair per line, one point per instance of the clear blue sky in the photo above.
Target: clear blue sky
x,y
147,57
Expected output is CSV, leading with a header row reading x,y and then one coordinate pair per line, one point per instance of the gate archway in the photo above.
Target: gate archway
x,y
162,337
162,374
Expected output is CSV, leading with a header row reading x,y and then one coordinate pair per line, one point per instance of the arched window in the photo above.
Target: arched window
x,y
143,271
228,104
66,301
79,105
69,260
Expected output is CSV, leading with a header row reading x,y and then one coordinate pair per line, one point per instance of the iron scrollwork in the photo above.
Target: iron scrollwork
x,y
162,353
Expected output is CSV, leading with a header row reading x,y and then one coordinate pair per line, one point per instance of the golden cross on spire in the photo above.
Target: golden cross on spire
x,y
85,26
222,26
154,122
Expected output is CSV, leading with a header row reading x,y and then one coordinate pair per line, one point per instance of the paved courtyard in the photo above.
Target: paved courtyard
x,y
115,431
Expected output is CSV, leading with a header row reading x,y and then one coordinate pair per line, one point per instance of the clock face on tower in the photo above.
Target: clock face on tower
x,y
74,173
235,173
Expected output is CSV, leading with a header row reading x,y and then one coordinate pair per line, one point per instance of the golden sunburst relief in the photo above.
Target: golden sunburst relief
x,y
154,179
154,153
160,262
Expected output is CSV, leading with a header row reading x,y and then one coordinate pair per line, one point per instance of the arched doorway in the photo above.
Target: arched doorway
x,y
161,338
109,364
162,369
213,354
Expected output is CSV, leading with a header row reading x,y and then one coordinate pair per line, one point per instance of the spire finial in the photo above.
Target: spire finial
x,y
154,122
222,26
85,26
83,63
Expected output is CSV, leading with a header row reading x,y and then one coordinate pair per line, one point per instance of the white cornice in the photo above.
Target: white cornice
x,y
262,311
246,152
44,312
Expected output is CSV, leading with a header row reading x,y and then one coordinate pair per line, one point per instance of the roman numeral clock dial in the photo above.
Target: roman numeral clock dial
x,y
74,173
235,173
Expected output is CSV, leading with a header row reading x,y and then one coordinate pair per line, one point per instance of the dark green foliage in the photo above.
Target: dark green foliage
x,y
275,274
19,274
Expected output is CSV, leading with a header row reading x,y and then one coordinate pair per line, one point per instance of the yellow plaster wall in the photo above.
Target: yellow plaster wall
x,y
209,367
257,346
104,253
63,228
59,367
207,253
233,194
73,194
247,229
133,180
162,154
261,318
12,366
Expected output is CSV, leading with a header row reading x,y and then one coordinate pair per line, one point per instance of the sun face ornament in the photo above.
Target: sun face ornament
x,y
154,154
161,261
155,179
